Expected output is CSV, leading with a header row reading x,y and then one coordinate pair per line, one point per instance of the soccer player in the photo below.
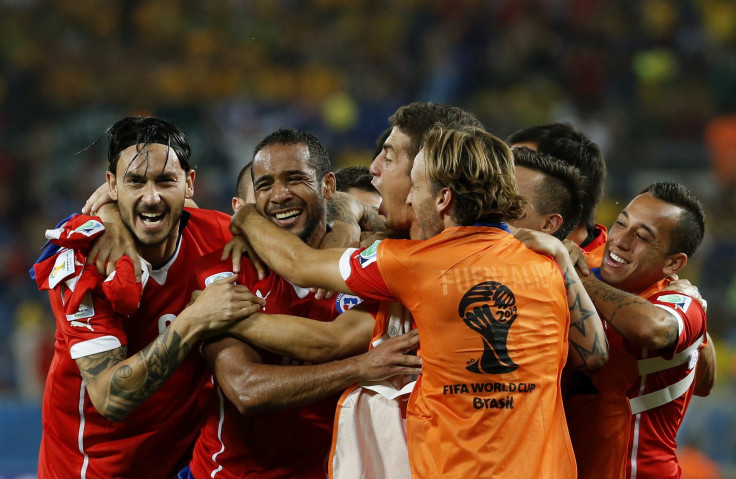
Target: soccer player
x,y
642,393
122,394
270,415
492,314
553,190
571,146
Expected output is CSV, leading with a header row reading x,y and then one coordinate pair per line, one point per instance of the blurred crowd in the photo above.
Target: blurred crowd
x,y
653,82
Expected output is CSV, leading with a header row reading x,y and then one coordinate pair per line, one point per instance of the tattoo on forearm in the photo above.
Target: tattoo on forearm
x,y
595,350
613,298
131,384
579,314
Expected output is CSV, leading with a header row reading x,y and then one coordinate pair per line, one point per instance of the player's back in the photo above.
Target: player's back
x,y
493,322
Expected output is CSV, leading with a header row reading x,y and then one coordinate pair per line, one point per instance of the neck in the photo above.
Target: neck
x,y
579,234
158,254
319,233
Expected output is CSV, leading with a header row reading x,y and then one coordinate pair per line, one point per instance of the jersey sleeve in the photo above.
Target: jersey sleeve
x,y
690,316
359,268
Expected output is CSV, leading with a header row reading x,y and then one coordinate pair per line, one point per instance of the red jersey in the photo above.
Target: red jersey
x,y
154,440
289,443
626,405
493,321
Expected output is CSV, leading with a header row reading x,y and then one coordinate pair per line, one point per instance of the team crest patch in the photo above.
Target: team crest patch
x,y
369,255
89,228
63,268
343,302
679,300
217,276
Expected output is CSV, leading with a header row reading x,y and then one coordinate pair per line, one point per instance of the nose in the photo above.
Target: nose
x,y
375,168
280,192
151,195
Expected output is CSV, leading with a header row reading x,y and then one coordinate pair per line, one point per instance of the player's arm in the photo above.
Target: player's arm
x,y
588,343
635,318
117,384
705,371
350,221
287,255
253,386
306,339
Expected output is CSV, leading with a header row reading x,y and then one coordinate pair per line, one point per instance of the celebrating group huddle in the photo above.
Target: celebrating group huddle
x,y
489,329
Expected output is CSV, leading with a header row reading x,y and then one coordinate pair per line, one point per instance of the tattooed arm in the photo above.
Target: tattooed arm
x,y
117,384
635,318
588,343
350,220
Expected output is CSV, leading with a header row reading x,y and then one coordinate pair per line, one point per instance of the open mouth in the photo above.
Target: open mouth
x,y
151,219
286,217
616,259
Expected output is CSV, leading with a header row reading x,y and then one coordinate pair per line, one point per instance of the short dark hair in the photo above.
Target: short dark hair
x,y
136,130
567,144
318,157
415,120
690,228
354,177
561,191
246,174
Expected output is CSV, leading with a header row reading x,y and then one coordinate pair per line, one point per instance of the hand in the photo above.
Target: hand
x,y
577,257
685,287
100,197
220,304
390,358
239,220
113,243
539,242
235,249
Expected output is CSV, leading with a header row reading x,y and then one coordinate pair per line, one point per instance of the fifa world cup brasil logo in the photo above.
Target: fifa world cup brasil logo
x,y
489,308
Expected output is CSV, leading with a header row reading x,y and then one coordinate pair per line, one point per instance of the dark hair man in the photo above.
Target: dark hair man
x,y
571,146
553,190
122,394
479,320
655,334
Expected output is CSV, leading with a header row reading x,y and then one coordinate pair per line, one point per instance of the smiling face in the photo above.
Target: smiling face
x,y
150,187
288,192
390,170
637,251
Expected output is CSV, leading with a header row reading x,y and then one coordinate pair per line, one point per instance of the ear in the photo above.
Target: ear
x,y
112,185
189,193
329,184
552,223
675,263
443,201
237,203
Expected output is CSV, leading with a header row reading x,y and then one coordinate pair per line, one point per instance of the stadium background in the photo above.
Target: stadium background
x,y
651,81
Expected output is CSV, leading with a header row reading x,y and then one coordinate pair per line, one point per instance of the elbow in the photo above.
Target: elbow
x,y
594,362
104,409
